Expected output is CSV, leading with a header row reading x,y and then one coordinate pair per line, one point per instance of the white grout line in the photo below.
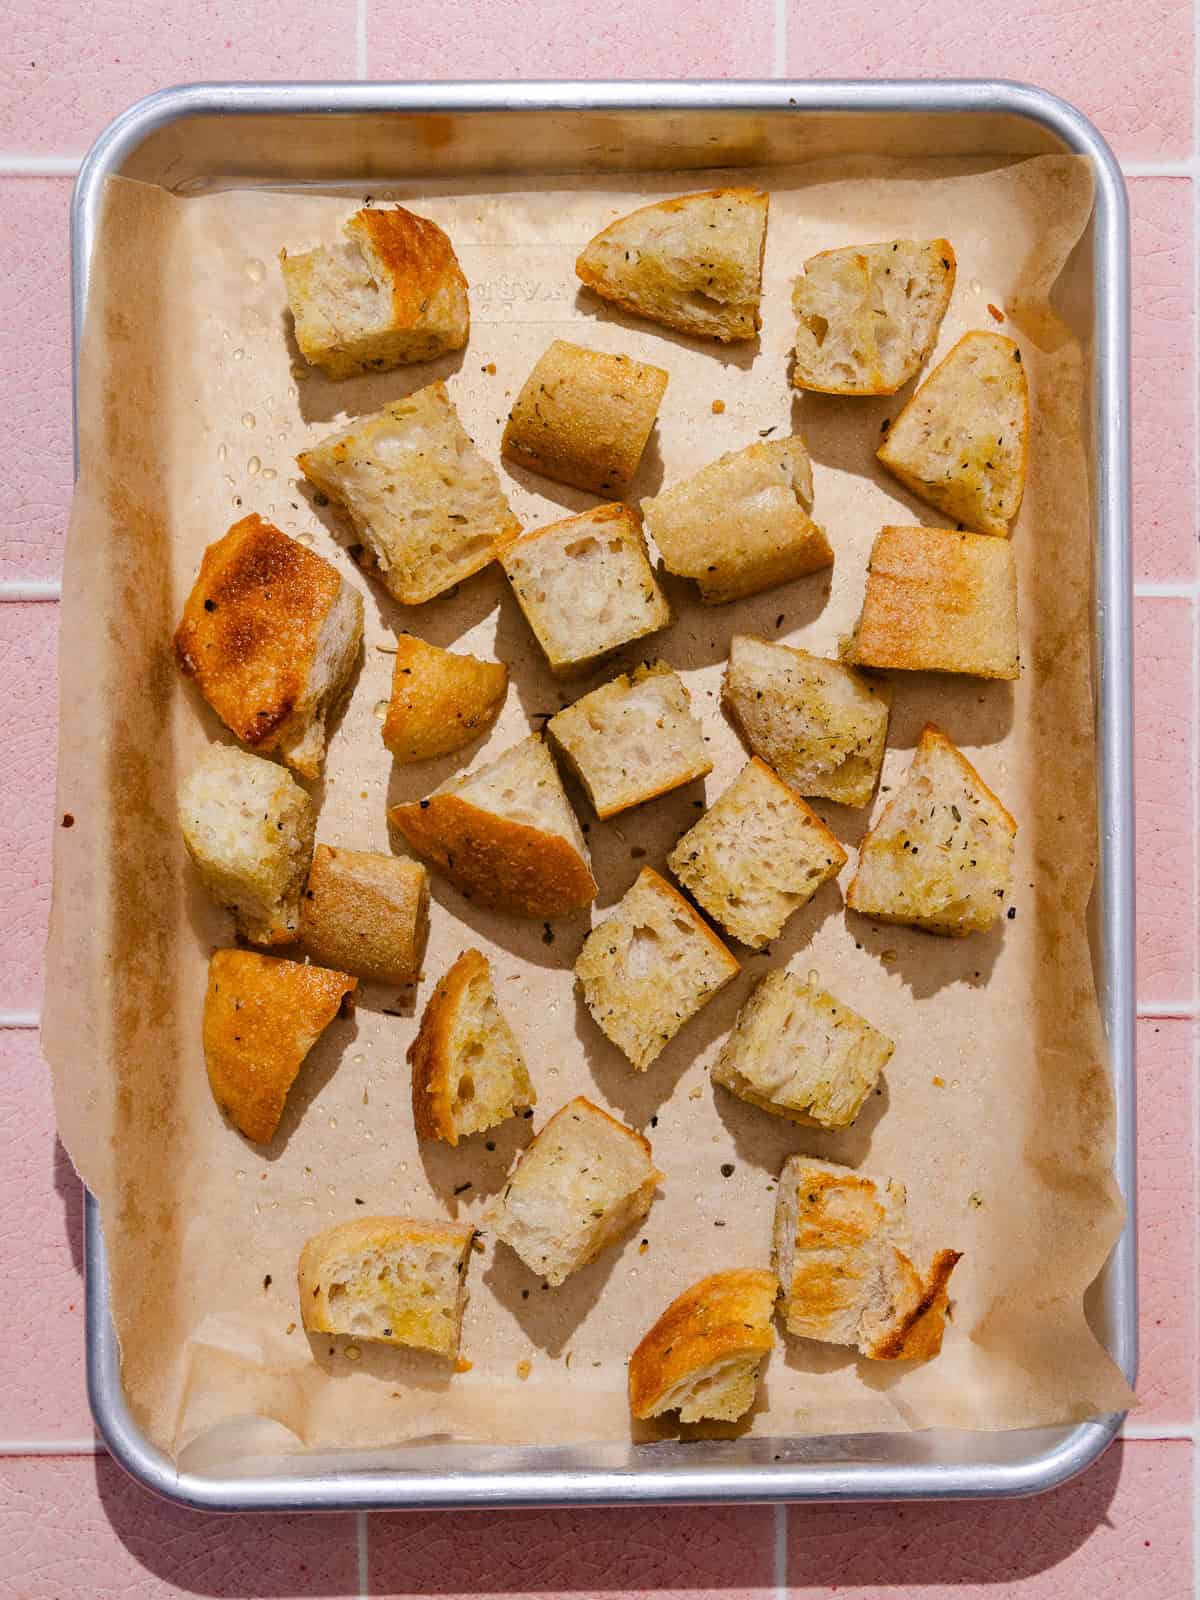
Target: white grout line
x,y
779,65
51,1447
781,1552
1187,168
15,166
14,589
364,1565
1148,1432
12,1020
1168,1010
360,38
1167,591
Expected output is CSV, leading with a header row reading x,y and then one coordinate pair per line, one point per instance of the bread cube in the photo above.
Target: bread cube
x,y
583,417
694,263
756,855
839,1251
650,966
271,633
584,1180
868,315
248,826
427,507
702,1357
366,913
940,856
393,1280
819,724
505,834
440,700
742,523
962,442
391,294
468,1072
800,1053
585,586
262,1016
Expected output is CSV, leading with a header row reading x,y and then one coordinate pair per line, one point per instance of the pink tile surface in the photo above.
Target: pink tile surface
x,y
28,731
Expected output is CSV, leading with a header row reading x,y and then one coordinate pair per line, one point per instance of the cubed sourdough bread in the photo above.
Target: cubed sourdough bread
x,y
743,523
868,315
261,1018
585,586
694,263
505,834
468,1072
650,966
801,1053
583,417
819,724
840,1253
962,442
366,913
940,855
632,739
248,826
756,855
392,293
702,1357
427,507
270,634
584,1180
395,1280
440,700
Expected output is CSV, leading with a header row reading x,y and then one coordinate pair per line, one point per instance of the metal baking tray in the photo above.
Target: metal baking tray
x,y
218,135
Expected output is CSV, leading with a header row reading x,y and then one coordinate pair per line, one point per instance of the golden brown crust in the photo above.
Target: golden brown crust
x,y
683,907
366,912
430,1052
724,1315
417,254
918,1335
440,701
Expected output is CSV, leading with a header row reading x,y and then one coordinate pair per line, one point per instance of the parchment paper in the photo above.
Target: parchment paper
x,y
995,1110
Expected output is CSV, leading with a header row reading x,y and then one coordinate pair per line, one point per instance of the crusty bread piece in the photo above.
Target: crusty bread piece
x,y
248,826
428,508
694,263
702,1357
395,1280
506,835
799,1052
840,1251
585,586
632,739
440,700
583,1181
262,1016
756,855
649,966
742,523
271,633
468,1072
583,417
939,601
868,315
940,856
393,293
366,913
962,442
819,724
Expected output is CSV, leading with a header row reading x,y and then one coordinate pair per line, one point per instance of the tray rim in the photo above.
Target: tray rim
x,y
1057,1454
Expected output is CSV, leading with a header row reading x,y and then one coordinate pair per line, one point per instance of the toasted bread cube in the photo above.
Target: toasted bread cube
x,y
248,826
271,633
649,967
426,505
800,1053
742,523
366,913
702,1357
262,1016
583,1181
468,1072
440,700
868,315
585,586
839,1250
392,294
393,1280
583,417
632,739
819,724
506,835
694,263
756,855
940,856
939,601
962,442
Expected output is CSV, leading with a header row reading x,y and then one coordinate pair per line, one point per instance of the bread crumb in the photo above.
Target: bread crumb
x,y
490,369
352,1352
524,1368
462,1364
996,312
718,407
938,1083
694,1094
291,1328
